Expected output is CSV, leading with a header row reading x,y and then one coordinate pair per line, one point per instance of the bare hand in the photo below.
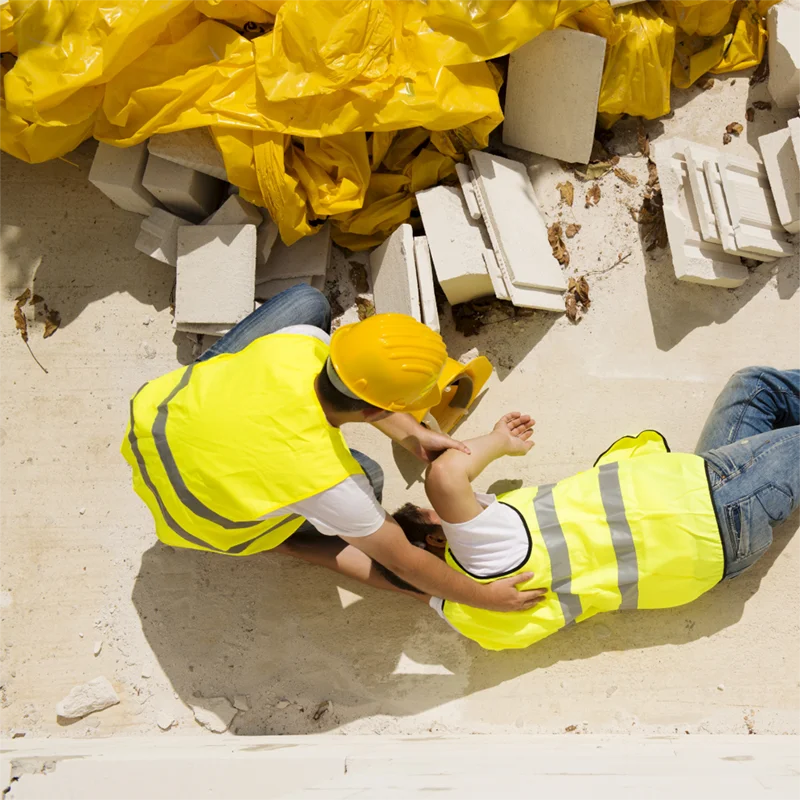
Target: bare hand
x,y
426,444
503,595
516,430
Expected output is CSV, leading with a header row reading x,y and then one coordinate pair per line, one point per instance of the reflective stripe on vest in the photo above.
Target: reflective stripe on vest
x,y
594,555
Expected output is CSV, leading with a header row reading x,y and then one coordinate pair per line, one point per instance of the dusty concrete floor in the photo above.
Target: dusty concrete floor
x,y
80,563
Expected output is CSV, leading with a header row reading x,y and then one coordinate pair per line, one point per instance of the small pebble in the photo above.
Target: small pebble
x,y
81,635
81,511
721,687
98,646
147,671
282,704
17,734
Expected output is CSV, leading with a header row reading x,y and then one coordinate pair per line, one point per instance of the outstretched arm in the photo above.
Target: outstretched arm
x,y
449,479
425,444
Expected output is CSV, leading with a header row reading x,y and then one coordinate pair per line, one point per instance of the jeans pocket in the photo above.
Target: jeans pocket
x,y
777,504
738,516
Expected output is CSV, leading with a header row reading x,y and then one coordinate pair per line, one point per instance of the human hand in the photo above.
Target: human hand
x,y
426,444
503,595
516,430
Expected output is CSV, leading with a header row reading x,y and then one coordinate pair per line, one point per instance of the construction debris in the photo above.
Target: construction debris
x,y
552,93
118,171
466,177
427,292
193,148
310,255
215,714
189,194
783,24
87,698
98,646
241,702
158,236
235,211
780,162
394,275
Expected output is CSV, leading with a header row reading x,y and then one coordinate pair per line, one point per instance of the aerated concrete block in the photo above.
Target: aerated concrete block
x,y
552,92
307,256
780,162
394,275
193,148
496,275
465,178
216,274
456,243
267,236
190,194
427,293
117,172
268,289
515,222
783,27
158,236
235,211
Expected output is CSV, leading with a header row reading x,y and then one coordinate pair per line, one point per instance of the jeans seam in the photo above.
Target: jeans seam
x,y
725,478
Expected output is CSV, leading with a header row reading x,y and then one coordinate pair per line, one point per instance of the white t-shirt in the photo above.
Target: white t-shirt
x,y
349,508
491,544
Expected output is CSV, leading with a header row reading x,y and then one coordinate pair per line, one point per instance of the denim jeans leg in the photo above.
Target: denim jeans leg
x,y
300,305
755,485
755,400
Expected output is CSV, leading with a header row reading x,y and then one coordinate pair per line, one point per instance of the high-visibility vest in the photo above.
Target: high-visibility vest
x,y
636,531
219,444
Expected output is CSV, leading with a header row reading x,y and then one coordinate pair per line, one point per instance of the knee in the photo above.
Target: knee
x,y
316,308
748,376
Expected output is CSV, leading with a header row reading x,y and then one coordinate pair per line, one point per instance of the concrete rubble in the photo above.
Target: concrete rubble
x,y
310,255
193,148
95,695
187,193
394,275
214,713
783,27
427,292
158,236
117,172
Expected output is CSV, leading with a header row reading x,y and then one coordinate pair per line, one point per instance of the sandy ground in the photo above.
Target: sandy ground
x,y
81,565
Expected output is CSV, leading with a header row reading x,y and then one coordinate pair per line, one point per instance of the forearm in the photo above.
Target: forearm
x,y
483,450
398,427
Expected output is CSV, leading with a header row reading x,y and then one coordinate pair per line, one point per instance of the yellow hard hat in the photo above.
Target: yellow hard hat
x,y
389,360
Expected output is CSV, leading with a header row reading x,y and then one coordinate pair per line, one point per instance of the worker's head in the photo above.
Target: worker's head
x,y
385,363
422,528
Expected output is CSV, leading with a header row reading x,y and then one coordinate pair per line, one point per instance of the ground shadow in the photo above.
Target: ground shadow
x,y
278,631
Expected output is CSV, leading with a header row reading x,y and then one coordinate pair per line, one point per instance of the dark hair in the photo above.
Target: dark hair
x,y
414,524
338,401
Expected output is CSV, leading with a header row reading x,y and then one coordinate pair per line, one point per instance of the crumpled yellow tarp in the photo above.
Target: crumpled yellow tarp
x,y
330,108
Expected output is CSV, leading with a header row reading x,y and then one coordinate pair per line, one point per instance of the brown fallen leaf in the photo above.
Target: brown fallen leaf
x,y
572,229
750,114
571,304
577,300
52,319
23,298
643,139
35,300
557,244
365,306
626,176
651,217
652,174
21,322
734,128
762,105
570,728
705,83
726,138
593,196
358,276
567,192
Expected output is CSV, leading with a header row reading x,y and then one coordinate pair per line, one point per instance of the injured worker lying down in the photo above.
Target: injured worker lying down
x,y
644,528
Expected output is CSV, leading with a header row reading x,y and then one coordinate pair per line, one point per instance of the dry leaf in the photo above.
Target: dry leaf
x,y
557,243
23,298
567,192
593,196
52,319
572,229
652,174
626,176
762,105
571,305
726,138
750,114
705,83
21,322
643,139
577,300
651,218
36,299
734,128
365,306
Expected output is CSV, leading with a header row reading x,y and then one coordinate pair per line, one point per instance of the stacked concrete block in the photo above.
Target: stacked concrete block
x,y
552,92
267,236
310,255
117,172
215,275
727,236
394,275
783,27
235,211
190,194
780,161
518,232
694,259
158,236
466,178
192,148
269,289
427,293
456,243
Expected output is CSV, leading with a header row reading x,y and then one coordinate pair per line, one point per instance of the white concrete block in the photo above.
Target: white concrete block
x,y
465,178
552,91
693,259
216,273
515,222
193,148
754,216
394,275
308,256
794,132
783,27
780,162
495,275
192,195
427,292
204,329
267,236
456,243
158,236
117,172
235,211
268,289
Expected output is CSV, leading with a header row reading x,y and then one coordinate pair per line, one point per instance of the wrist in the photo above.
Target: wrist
x,y
500,442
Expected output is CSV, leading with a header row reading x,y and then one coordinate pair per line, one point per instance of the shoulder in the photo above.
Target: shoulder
x,y
349,508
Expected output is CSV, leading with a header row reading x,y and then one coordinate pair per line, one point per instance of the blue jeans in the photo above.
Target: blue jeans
x,y
751,445
300,305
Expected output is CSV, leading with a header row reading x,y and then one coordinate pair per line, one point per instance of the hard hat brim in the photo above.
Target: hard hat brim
x,y
429,400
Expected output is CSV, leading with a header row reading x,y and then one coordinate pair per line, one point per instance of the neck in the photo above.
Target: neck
x,y
336,418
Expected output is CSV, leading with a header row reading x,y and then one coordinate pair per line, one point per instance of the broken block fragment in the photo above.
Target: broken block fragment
x,y
780,161
235,211
307,256
193,148
394,275
183,191
158,236
427,293
117,172
783,27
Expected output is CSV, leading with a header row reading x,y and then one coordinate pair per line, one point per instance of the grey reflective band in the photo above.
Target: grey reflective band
x,y
621,535
557,550
337,381
169,519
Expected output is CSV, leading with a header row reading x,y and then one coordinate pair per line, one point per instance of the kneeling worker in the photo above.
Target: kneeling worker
x,y
645,528
234,453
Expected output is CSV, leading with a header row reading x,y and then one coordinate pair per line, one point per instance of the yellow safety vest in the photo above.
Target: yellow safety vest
x,y
217,445
636,531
